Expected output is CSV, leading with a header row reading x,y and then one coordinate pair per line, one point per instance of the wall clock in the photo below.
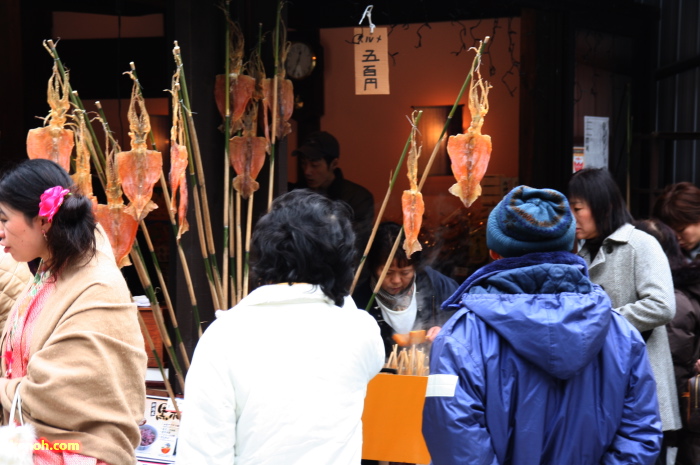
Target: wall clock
x,y
301,61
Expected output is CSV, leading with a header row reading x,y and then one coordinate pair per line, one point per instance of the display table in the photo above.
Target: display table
x,y
392,419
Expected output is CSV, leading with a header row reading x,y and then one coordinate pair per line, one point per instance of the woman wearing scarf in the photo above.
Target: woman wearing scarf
x,y
411,293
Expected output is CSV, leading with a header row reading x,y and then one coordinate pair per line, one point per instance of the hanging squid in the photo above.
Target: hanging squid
x,y
241,86
120,226
53,141
82,176
470,152
178,162
139,169
412,200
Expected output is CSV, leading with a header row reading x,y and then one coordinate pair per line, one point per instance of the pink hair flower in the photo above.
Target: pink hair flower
x,y
51,200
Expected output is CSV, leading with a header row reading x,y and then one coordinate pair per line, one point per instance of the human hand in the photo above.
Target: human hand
x,y
433,332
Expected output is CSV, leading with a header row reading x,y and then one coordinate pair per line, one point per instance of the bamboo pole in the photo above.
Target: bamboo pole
x,y
151,345
157,312
385,202
239,251
248,229
275,97
227,161
200,185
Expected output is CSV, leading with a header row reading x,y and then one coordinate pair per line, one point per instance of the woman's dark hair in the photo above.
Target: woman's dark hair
x,y
382,245
666,237
598,189
71,237
305,237
679,205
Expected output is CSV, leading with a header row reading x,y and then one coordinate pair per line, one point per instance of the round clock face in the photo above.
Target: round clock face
x,y
301,61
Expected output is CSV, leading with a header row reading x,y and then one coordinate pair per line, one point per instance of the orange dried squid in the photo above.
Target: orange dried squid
x,y
241,86
178,162
82,176
247,154
470,152
412,201
120,226
139,169
285,106
284,100
53,141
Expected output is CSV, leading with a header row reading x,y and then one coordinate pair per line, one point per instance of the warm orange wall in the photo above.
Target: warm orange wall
x,y
372,130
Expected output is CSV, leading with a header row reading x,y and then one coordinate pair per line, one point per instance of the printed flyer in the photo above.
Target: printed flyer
x,y
159,433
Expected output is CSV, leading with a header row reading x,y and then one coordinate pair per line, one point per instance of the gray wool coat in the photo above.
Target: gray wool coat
x,y
634,271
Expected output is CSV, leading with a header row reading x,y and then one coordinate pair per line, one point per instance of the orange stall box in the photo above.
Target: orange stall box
x,y
392,419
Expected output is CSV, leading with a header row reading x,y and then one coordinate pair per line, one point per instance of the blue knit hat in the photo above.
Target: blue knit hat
x,y
531,220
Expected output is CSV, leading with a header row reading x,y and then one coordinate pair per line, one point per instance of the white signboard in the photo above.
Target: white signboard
x,y
596,130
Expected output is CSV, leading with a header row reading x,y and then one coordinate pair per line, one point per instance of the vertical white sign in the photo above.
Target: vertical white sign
x,y
596,131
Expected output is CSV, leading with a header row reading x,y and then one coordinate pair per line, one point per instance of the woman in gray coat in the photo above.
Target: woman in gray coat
x,y
632,268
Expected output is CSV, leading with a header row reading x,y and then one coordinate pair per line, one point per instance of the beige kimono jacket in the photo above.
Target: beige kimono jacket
x,y
85,379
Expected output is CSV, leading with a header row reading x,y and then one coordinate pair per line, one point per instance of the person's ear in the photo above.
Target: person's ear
x,y
333,165
494,255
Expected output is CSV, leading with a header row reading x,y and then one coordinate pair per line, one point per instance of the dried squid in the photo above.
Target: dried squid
x,y
412,201
120,226
241,88
284,100
178,162
285,106
247,153
53,141
139,169
82,176
470,152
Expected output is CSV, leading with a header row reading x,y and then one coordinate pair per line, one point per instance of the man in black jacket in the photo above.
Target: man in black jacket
x,y
318,156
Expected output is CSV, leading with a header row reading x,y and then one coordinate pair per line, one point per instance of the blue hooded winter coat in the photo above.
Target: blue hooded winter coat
x,y
536,368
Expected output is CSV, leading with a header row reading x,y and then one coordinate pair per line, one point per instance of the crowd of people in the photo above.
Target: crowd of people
x,y
575,344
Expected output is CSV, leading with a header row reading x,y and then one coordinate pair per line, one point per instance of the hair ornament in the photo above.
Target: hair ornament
x,y
51,200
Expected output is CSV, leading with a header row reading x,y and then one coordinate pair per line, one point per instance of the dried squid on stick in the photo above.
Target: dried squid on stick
x,y
120,226
53,141
412,199
285,107
241,86
279,100
82,176
178,162
139,169
470,152
247,154
247,151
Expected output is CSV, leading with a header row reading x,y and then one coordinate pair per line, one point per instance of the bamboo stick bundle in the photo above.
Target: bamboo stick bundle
x,y
198,181
429,164
385,202
99,161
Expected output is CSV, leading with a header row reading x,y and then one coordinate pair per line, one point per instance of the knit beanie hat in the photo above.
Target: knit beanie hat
x,y
530,220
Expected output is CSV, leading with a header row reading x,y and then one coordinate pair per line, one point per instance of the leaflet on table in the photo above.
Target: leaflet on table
x,y
159,433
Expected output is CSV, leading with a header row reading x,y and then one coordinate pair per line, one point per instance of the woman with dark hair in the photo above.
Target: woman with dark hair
x,y
411,293
72,347
281,377
679,207
684,329
631,267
